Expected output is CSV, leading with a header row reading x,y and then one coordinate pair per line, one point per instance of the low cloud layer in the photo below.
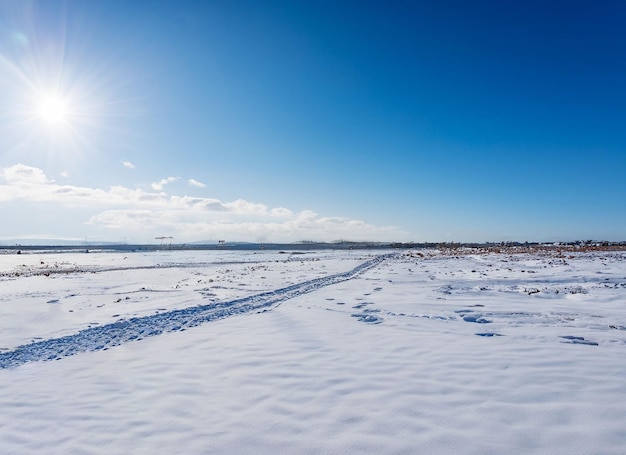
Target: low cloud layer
x,y
136,213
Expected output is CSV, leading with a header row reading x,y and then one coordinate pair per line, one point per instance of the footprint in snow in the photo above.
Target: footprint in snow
x,y
361,305
476,318
577,340
368,318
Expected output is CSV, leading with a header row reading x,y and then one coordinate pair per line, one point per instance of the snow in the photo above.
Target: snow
x,y
325,352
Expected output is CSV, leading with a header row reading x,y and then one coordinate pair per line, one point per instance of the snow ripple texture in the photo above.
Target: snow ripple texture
x,y
124,331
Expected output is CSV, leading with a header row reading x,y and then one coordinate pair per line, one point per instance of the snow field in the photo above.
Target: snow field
x,y
387,361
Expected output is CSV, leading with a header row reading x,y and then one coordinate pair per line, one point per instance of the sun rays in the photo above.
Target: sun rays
x,y
55,101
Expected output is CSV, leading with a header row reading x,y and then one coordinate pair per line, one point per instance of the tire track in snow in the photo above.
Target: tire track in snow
x,y
127,330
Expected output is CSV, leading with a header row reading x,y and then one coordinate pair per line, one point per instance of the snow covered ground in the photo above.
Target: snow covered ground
x,y
325,352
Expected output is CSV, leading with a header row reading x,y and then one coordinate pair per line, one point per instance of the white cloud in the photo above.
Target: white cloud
x,y
141,214
21,174
194,182
128,164
281,212
158,186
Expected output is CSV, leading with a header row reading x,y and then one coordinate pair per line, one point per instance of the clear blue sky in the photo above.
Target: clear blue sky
x,y
292,120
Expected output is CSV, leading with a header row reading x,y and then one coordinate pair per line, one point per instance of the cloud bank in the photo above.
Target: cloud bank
x,y
135,213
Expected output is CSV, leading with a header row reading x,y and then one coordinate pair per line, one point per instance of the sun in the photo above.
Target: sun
x,y
52,109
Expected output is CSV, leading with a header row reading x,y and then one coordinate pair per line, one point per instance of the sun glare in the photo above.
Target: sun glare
x,y
52,109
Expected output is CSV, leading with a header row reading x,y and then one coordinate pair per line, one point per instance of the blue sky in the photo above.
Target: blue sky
x,y
295,120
